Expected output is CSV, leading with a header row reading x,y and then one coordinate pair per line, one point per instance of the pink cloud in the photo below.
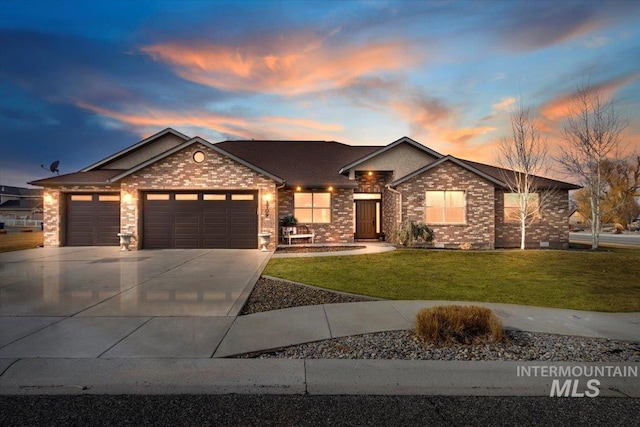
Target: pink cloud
x,y
287,66
266,127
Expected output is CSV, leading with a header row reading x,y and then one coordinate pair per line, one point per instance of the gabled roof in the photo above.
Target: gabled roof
x,y
95,177
493,174
380,150
186,144
139,145
310,164
453,160
8,190
21,204
502,174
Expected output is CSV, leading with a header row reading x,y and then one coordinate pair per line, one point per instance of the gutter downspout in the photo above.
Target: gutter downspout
x,y
399,207
277,201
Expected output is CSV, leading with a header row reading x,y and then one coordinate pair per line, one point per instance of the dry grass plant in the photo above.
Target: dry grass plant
x,y
460,324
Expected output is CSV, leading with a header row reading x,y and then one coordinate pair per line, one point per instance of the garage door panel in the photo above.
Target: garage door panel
x,y
202,220
92,219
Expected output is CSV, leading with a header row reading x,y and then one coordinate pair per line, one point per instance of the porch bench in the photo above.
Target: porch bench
x,y
299,232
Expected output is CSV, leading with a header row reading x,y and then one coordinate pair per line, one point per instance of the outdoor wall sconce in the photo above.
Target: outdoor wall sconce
x,y
48,198
127,197
266,198
370,173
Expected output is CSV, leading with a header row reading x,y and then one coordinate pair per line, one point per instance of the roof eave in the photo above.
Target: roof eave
x,y
404,139
134,147
186,144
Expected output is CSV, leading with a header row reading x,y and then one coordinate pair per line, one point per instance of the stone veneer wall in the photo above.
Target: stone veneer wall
x,y
340,230
54,209
180,172
552,229
479,229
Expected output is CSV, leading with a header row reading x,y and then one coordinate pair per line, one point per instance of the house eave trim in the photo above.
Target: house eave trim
x,y
188,143
404,139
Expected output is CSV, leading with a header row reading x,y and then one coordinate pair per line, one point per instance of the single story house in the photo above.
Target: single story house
x,y
174,191
17,203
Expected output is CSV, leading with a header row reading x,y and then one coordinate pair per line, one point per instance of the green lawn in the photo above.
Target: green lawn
x,y
582,280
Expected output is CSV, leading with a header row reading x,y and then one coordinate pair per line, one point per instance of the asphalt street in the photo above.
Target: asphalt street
x,y
301,410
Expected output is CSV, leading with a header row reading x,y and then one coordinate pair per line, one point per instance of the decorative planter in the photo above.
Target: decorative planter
x,y
125,241
265,239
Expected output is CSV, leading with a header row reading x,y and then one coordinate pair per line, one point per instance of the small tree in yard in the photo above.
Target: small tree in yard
x,y
523,155
592,132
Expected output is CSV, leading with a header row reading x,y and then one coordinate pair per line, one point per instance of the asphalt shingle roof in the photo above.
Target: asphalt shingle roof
x,y
312,164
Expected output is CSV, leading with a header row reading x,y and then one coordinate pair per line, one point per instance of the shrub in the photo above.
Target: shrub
x,y
455,323
288,221
619,228
411,232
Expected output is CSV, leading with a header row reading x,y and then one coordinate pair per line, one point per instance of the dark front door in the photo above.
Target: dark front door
x,y
366,219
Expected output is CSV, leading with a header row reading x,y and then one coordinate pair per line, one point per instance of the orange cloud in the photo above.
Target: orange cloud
x,y
559,107
280,66
267,127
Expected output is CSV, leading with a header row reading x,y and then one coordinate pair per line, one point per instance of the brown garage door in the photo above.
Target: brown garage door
x,y
201,220
93,219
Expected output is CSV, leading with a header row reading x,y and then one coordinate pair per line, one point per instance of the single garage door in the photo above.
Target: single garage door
x,y
93,219
206,219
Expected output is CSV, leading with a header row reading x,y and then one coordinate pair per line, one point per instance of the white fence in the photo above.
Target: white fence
x,y
16,222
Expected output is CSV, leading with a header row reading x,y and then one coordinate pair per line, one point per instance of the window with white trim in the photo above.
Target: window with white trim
x,y
445,207
312,207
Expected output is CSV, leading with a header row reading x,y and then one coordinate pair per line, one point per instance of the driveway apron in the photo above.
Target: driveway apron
x,y
100,302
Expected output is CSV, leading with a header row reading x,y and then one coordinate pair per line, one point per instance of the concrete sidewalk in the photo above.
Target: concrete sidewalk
x,y
280,328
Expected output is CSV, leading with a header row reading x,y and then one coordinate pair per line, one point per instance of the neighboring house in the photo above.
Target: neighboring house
x,y
173,191
20,203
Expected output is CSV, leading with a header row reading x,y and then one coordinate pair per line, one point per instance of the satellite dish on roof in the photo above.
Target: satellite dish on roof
x,y
53,167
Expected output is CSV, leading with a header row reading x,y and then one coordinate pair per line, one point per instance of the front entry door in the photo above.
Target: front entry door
x,y
366,219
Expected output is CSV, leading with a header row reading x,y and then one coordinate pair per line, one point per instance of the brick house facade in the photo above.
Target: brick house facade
x,y
176,191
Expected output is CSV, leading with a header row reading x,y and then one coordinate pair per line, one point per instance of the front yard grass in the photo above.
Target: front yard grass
x,y
581,280
20,241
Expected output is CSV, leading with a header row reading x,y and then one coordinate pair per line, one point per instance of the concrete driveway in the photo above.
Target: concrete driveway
x,y
98,301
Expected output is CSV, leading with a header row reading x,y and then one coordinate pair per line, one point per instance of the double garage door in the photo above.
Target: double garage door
x,y
205,219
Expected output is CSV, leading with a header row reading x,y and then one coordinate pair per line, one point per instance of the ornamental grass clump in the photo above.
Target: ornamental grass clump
x,y
458,324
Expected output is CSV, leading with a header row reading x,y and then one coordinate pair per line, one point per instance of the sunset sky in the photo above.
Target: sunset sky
x,y
80,80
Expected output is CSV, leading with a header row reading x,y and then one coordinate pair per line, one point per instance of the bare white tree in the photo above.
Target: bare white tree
x,y
523,156
593,133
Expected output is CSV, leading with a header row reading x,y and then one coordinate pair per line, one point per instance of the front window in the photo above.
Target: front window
x,y
514,204
312,207
445,207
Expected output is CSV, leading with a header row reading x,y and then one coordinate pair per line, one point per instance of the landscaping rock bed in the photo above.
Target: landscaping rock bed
x,y
520,346
312,249
269,294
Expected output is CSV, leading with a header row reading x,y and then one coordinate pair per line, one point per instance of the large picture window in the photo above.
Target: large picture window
x,y
312,207
512,206
445,207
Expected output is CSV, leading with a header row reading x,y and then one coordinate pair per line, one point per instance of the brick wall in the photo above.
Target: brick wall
x,y
551,229
180,172
479,229
54,209
340,230
176,172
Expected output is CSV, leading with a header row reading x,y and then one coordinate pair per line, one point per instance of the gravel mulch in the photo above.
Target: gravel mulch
x,y
311,249
269,294
520,346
